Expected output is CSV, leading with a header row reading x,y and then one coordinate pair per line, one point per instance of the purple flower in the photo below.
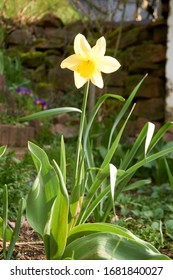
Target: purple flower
x,y
41,103
24,91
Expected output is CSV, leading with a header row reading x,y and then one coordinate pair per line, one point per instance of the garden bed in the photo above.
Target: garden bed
x,y
30,247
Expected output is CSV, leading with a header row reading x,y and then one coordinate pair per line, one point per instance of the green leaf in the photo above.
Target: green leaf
x,y
122,180
15,235
159,135
139,164
63,159
56,230
137,144
108,246
43,192
5,219
124,110
94,112
86,145
50,113
77,194
170,176
102,173
138,184
2,150
88,228
114,145
169,228
9,231
102,241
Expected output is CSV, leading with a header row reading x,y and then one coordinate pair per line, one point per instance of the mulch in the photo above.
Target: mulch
x,y
29,247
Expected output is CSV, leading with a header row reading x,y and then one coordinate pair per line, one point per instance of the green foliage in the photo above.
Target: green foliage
x,y
24,10
11,69
18,176
5,232
8,231
60,215
148,212
100,241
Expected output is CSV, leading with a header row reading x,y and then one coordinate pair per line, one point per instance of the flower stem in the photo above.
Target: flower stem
x,y
82,121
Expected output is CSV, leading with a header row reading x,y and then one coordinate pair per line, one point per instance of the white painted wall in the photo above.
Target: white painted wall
x,y
169,66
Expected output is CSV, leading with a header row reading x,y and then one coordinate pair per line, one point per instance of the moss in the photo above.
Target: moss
x,y
39,74
130,37
131,81
44,90
33,59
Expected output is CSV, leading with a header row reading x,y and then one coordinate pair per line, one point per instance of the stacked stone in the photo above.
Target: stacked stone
x,y
140,48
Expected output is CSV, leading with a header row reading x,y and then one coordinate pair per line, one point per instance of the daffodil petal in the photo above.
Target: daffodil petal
x,y
71,62
88,63
99,49
97,80
108,64
81,46
79,80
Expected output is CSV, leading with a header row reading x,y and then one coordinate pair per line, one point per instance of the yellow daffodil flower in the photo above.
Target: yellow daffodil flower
x,y
88,63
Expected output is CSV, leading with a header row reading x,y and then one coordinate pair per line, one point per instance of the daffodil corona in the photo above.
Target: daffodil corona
x,y
88,63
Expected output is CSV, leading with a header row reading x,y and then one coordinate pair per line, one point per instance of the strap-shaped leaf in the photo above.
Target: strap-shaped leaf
x,y
122,181
86,145
56,230
50,113
104,170
95,110
77,194
43,191
137,144
124,110
108,246
102,174
15,235
170,175
115,143
2,150
102,241
8,231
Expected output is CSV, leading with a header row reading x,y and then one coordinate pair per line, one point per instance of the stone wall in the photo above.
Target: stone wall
x,y
42,45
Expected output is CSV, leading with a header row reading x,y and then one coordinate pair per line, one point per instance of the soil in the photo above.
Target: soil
x,y
30,246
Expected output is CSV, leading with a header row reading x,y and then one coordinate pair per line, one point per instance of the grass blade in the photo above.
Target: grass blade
x,y
63,159
5,219
170,176
2,150
15,234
